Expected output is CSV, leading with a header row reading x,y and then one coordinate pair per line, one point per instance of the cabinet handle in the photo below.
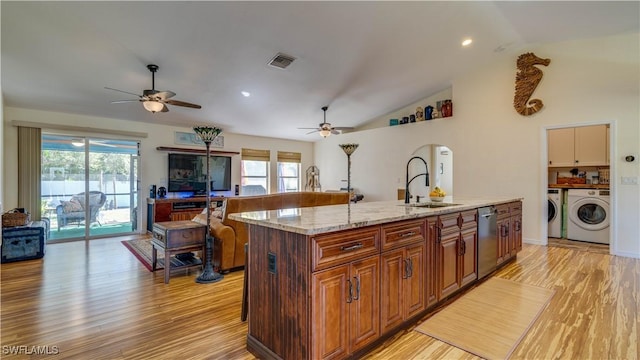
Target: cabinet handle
x,y
352,247
464,247
407,234
410,267
550,162
406,269
350,299
517,225
357,297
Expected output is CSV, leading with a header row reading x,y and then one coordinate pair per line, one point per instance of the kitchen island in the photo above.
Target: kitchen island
x,y
335,281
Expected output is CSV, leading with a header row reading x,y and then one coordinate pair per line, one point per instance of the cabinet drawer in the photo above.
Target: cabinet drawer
x,y
176,234
502,210
448,222
468,219
402,233
515,208
341,247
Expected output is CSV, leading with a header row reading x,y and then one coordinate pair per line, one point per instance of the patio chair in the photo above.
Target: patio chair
x,y
73,211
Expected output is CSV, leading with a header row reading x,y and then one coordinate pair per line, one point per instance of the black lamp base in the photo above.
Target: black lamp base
x,y
208,275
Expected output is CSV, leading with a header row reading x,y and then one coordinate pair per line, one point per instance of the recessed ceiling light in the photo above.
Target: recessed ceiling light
x,y
466,42
245,93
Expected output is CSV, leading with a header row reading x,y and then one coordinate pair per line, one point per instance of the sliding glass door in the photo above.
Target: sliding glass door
x,y
89,186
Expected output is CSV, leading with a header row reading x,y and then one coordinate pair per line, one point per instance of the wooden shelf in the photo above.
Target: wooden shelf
x,y
195,151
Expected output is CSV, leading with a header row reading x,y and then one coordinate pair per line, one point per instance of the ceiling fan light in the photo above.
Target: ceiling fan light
x,y
325,133
153,106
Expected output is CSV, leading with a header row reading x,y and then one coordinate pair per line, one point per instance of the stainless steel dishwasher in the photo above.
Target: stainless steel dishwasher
x,y
487,241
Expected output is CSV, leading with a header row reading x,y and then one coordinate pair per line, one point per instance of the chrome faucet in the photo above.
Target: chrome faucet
x,y
407,182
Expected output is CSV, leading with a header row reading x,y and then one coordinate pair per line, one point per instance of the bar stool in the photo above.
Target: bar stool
x,y
245,286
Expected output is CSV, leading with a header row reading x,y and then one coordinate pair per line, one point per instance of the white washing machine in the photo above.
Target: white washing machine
x,y
554,212
588,215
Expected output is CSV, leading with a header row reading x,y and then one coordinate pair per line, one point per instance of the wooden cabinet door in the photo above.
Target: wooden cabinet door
x,y
516,233
560,147
591,145
469,261
391,300
414,293
502,225
448,269
330,313
162,212
430,262
364,310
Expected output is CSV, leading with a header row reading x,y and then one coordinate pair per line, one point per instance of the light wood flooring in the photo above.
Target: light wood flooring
x,y
94,300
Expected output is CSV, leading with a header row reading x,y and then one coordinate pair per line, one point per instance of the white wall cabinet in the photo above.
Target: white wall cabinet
x,y
579,146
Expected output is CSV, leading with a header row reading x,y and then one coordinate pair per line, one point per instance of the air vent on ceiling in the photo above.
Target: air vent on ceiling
x,y
281,60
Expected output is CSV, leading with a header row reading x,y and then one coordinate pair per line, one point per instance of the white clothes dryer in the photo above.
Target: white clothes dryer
x,y
554,212
588,215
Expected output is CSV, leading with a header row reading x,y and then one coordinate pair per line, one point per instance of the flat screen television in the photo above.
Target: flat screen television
x,y
187,173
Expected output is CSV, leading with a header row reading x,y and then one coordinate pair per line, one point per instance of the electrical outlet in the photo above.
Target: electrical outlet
x,y
629,180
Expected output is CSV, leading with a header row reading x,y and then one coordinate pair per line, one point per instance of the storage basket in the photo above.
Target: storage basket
x,y
12,218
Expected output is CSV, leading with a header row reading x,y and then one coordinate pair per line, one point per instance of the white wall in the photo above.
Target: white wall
x,y
153,163
498,151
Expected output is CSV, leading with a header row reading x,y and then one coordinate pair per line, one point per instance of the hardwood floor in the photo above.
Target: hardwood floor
x,y
94,300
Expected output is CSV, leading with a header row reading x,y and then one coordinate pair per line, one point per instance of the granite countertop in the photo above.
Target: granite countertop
x,y
323,219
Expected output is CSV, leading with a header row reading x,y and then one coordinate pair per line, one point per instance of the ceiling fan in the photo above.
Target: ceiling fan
x,y
325,129
155,100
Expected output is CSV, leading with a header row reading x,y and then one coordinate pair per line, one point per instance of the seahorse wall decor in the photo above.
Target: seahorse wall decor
x,y
527,80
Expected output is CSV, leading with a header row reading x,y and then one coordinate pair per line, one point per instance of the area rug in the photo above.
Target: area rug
x,y
490,320
141,249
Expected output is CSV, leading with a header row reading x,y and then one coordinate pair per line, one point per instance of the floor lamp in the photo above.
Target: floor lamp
x,y
207,134
349,149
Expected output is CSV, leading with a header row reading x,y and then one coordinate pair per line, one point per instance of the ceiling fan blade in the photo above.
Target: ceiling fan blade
x,y
182,103
342,128
125,101
311,132
164,95
335,132
122,91
164,108
308,128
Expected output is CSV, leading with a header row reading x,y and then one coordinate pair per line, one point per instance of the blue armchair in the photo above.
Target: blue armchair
x,y
73,211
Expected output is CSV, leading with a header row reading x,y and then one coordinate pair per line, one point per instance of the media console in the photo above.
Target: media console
x,y
176,209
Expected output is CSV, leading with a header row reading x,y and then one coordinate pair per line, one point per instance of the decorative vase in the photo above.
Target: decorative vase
x,y
428,112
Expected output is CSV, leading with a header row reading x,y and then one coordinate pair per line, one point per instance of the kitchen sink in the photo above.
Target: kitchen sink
x,y
430,204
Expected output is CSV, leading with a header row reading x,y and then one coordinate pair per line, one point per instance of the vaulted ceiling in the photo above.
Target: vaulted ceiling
x,y
362,59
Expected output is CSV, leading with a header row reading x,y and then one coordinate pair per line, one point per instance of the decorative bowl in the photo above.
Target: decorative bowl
x,y
437,198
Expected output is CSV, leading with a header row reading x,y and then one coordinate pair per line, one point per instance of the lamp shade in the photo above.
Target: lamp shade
x,y
207,133
153,106
348,148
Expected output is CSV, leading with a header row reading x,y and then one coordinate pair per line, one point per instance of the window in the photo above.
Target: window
x,y
288,171
254,172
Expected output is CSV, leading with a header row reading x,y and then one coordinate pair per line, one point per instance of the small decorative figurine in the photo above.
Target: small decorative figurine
x,y
419,114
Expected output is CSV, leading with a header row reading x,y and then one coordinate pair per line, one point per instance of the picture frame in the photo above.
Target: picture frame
x,y
187,138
